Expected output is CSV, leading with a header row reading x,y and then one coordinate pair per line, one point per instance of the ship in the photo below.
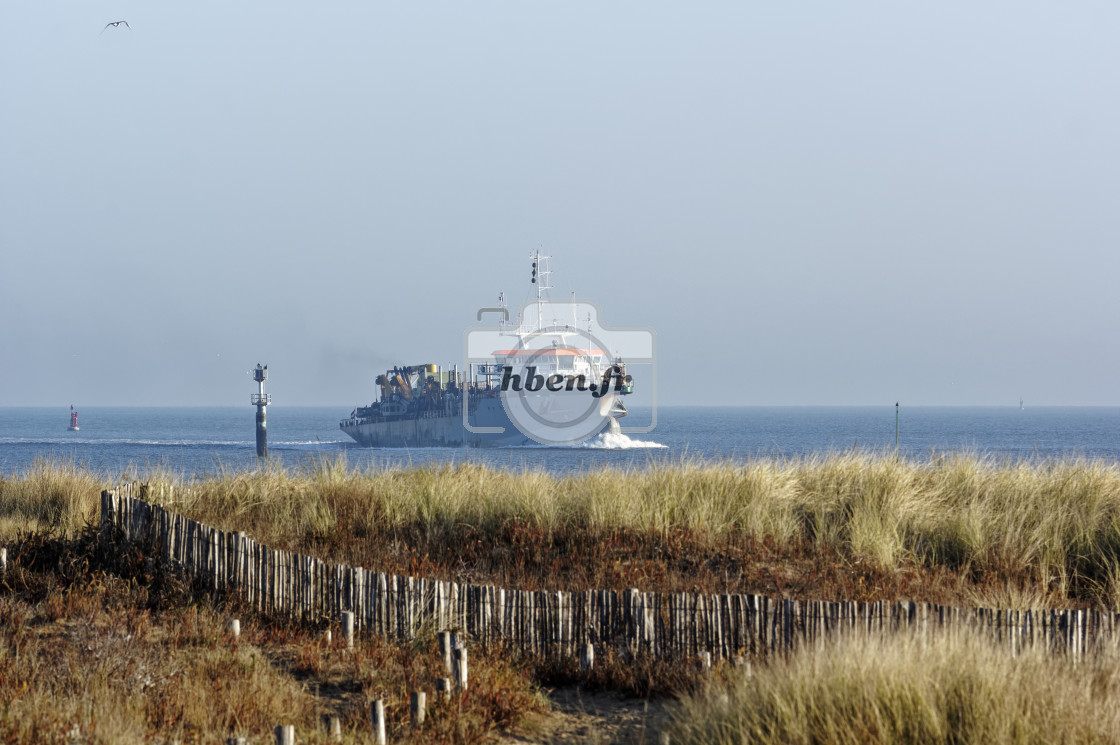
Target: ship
x,y
525,382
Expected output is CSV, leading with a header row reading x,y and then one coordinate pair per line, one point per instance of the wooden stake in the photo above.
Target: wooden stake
x,y
587,658
418,706
461,669
348,628
377,716
445,649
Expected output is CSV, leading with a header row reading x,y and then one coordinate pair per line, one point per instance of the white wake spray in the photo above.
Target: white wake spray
x,y
618,441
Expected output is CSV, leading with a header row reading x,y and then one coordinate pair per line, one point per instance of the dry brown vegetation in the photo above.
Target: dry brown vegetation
x,y
109,648
98,648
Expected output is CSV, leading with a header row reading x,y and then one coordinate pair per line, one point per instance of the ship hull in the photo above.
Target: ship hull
x,y
442,430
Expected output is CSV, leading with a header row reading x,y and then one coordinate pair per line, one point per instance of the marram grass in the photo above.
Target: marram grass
x,y
1054,526
946,689
49,494
1057,523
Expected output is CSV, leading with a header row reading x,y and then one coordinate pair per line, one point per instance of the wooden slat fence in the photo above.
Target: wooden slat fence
x,y
286,584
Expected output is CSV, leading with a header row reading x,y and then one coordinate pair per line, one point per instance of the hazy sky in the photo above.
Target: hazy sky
x,y
809,203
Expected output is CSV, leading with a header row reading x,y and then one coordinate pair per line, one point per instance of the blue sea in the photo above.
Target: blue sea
x,y
195,442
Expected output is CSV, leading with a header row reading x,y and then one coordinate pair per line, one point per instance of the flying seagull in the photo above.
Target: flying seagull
x,y
115,24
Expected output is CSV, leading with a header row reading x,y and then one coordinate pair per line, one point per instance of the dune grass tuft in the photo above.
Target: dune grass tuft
x,y
906,690
49,494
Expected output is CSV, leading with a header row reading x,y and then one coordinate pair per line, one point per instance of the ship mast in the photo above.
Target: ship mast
x,y
541,272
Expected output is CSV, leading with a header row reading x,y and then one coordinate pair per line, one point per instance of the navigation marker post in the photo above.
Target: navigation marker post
x,y
261,400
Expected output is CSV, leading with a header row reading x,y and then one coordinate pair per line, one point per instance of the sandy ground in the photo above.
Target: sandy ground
x,y
593,718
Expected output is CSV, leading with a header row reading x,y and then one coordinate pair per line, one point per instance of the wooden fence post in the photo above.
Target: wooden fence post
x,y
286,734
587,658
348,628
445,649
108,515
461,669
377,717
418,707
